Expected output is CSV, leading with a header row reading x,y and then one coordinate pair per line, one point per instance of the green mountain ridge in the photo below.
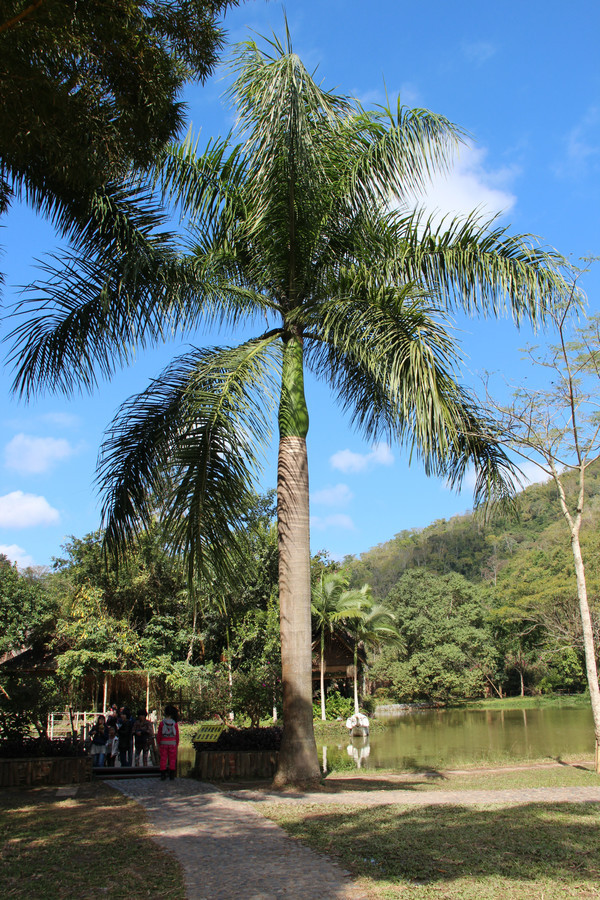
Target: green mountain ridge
x,y
526,554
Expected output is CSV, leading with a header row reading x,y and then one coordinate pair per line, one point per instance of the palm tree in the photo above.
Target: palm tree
x,y
375,626
298,227
332,604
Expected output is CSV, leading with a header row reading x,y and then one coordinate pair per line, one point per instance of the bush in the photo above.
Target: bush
x,y
368,704
33,747
336,706
245,739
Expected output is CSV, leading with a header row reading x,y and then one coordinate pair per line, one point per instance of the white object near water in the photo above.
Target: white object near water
x,y
358,725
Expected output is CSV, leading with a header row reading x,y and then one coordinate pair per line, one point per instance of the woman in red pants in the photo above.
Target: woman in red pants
x,y
168,741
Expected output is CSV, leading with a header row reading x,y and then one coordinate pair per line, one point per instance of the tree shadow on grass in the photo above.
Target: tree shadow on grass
x,y
569,765
528,843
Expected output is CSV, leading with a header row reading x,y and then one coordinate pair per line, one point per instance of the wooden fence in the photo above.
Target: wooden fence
x,y
219,765
45,770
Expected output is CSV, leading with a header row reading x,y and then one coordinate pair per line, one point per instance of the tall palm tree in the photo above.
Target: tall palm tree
x,y
332,603
297,227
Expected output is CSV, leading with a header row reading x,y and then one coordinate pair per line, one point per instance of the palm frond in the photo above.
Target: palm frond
x,y
475,265
206,188
393,366
389,154
187,449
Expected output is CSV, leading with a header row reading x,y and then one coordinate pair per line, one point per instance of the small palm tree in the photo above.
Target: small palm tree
x,y
374,627
332,604
298,227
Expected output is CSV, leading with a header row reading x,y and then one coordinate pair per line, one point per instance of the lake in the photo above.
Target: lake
x,y
435,739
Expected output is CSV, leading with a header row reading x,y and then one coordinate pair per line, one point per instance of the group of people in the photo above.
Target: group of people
x,y
133,739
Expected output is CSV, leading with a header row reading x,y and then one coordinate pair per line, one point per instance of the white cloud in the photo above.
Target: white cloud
x,y
34,455
333,495
19,510
17,555
64,420
348,461
336,520
582,146
381,455
469,186
478,52
530,474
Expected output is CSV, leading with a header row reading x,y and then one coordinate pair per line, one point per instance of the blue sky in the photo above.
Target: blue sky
x,y
522,79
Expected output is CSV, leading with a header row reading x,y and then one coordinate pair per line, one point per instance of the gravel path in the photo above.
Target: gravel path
x,y
426,798
229,850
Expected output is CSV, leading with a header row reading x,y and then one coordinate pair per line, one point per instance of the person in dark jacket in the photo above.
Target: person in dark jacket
x,y
99,736
125,737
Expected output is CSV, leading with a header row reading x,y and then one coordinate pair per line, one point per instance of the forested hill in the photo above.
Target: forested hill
x,y
529,549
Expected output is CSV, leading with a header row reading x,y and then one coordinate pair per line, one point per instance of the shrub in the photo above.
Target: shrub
x,y
336,706
245,739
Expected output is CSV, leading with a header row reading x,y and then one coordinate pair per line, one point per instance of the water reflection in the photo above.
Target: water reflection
x,y
442,738
359,750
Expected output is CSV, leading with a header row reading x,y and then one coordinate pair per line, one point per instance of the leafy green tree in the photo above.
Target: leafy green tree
x,y
447,645
297,226
148,583
27,612
88,90
91,641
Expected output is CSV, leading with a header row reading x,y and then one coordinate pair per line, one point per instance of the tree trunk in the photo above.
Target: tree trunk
x,y
298,760
323,712
356,709
588,640
574,524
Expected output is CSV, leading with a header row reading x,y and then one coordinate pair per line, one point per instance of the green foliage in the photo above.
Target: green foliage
x,y
25,702
89,89
336,706
256,692
26,610
565,672
447,645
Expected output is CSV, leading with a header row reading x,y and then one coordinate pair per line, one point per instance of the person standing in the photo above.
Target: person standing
x,y
168,742
99,736
112,746
143,738
125,729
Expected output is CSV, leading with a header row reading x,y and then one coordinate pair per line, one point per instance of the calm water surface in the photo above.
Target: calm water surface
x,y
442,738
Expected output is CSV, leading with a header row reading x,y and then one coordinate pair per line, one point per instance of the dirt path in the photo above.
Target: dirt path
x,y
229,851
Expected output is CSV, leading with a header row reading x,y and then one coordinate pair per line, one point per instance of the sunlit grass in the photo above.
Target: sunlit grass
x,y
541,702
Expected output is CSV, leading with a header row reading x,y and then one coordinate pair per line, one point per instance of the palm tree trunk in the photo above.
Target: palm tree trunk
x,y
356,709
298,760
323,712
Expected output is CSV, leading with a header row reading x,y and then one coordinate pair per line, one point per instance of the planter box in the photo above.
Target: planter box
x,y
33,771
218,765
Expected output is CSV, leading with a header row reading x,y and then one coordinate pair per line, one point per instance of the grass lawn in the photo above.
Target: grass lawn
x,y
542,851
580,774
546,851
544,701
92,844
